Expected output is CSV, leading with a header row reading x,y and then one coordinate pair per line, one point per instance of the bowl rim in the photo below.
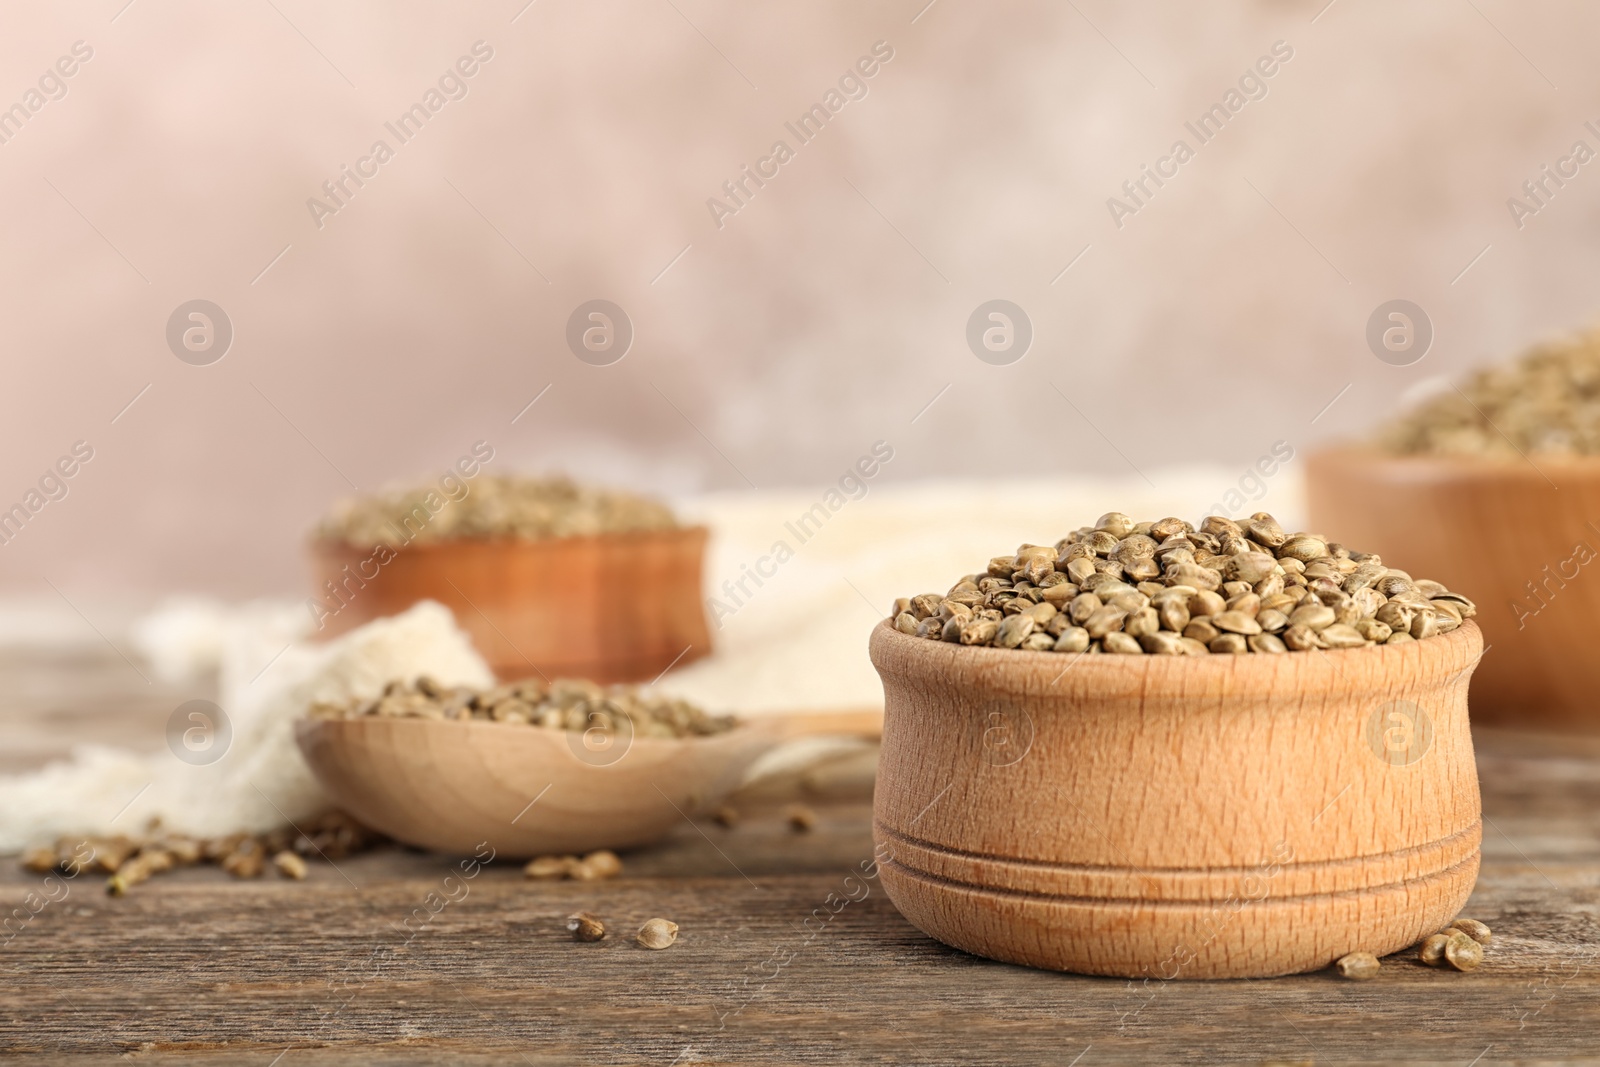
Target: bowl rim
x,y
1006,667
1419,464
691,531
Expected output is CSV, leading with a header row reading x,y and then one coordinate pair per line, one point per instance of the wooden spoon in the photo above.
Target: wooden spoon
x,y
525,791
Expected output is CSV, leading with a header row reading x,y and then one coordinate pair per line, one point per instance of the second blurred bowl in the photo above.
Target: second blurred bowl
x,y
1516,538
610,608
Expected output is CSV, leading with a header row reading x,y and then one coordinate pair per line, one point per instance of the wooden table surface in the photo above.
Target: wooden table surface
x,y
196,966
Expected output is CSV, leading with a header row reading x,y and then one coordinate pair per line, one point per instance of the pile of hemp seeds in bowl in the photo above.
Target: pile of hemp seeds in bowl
x,y
564,704
1170,588
1546,403
493,507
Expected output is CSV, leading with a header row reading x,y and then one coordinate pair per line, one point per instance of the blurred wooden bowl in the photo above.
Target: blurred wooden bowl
x,y
609,608
1489,530
1173,816
529,791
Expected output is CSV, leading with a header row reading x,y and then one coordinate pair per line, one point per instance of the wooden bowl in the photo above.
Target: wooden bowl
x,y
1489,530
1162,817
451,785
610,608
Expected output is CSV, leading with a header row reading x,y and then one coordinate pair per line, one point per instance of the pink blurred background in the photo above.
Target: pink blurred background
x,y
824,315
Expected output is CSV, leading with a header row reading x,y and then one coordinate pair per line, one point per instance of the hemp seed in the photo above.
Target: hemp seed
x,y
39,858
593,867
1462,952
332,835
1432,951
1159,588
564,704
550,868
247,860
495,506
657,934
290,865
586,926
128,875
1358,966
596,866
1541,403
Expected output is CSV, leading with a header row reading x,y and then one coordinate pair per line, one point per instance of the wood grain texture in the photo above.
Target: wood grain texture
x,y
1505,534
611,608
196,967
52,699
1117,814
450,785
